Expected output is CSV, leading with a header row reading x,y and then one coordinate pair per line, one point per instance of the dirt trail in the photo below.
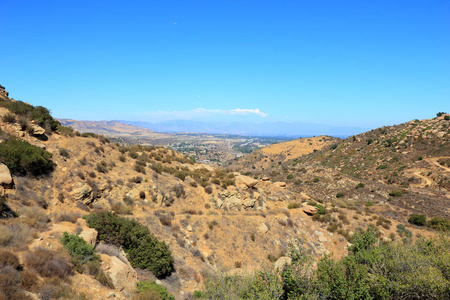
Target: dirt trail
x,y
425,181
434,161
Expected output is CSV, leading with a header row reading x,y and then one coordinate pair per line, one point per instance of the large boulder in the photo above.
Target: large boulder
x,y
6,180
280,184
282,262
89,235
37,130
310,210
82,192
122,275
245,181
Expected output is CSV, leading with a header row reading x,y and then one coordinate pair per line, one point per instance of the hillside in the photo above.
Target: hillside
x,y
105,127
210,220
275,154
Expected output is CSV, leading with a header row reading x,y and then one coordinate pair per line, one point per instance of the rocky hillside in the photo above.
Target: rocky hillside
x,y
275,154
205,219
115,128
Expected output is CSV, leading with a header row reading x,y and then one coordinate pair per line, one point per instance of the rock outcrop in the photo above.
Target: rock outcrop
x,y
6,180
122,275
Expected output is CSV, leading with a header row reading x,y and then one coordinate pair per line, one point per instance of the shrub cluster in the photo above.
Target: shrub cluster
x,y
151,290
371,270
142,248
39,114
23,158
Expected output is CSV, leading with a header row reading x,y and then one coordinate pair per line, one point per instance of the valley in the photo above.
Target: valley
x,y
130,214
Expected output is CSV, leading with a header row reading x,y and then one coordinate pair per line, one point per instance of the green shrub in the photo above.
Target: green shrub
x,y
359,185
396,193
142,248
23,158
320,209
381,167
290,176
80,251
418,220
439,223
447,117
102,167
340,195
316,179
39,113
293,205
145,286
9,118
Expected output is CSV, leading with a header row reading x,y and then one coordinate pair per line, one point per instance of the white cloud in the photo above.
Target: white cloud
x,y
203,113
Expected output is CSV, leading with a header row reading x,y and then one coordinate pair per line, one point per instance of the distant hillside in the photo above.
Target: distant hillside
x,y
279,129
105,127
276,154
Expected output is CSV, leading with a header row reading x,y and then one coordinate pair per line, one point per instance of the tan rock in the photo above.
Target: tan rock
x,y
304,196
250,202
82,192
280,184
89,235
282,262
265,178
310,210
263,228
247,181
37,130
123,276
6,180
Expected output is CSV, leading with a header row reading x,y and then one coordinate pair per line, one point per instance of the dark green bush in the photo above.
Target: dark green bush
x,y
359,185
340,195
290,176
396,193
39,113
143,249
23,158
418,220
439,223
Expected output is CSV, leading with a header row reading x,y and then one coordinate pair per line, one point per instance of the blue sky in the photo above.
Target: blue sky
x,y
341,63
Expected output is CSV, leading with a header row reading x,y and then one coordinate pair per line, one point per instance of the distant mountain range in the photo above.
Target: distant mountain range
x,y
279,129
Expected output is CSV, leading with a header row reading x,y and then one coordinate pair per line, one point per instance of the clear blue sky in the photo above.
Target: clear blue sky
x,y
348,63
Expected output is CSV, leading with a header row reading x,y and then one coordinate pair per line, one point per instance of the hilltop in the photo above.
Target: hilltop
x,y
105,127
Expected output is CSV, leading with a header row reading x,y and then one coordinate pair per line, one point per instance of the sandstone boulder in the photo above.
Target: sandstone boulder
x,y
265,178
6,180
246,181
280,184
282,262
37,130
310,210
123,276
82,192
263,228
89,235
